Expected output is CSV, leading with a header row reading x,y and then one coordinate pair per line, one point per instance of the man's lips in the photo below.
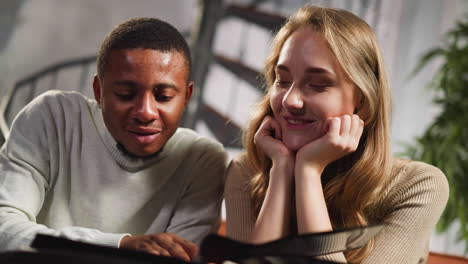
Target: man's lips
x,y
144,130
144,135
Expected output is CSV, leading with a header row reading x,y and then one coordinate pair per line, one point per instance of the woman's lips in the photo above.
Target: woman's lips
x,y
298,123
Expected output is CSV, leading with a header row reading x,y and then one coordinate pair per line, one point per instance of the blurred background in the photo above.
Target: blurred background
x,y
51,44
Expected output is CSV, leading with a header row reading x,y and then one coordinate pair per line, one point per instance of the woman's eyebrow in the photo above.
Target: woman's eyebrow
x,y
308,70
319,70
282,67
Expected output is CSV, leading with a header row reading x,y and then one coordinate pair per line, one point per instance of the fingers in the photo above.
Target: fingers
x,y
268,139
176,250
345,125
164,244
176,246
143,243
345,131
269,127
263,130
153,248
188,246
334,125
340,139
357,128
276,127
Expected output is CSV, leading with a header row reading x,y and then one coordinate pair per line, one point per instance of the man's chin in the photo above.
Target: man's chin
x,y
139,152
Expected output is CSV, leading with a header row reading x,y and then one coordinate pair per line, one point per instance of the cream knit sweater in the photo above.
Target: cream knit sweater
x,y
61,173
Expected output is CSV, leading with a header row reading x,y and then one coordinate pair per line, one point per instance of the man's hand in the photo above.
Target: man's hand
x,y
164,244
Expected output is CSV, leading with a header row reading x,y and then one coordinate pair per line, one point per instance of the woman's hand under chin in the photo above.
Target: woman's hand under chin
x,y
341,139
268,138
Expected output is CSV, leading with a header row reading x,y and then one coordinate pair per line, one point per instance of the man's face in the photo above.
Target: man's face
x,y
143,94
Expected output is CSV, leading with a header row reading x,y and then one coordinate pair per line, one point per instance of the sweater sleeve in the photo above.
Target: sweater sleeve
x,y
416,203
239,211
25,177
240,219
198,211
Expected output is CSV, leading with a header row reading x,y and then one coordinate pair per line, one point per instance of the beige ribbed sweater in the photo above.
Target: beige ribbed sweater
x,y
411,205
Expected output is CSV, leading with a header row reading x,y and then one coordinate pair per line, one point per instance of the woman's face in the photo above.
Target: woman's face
x,y
310,86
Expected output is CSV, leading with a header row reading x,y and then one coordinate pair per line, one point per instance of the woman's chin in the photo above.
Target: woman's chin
x,y
293,145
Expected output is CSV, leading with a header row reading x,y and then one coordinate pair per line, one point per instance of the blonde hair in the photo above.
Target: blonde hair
x,y
351,184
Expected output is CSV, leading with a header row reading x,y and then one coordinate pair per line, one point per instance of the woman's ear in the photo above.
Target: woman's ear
x,y
358,100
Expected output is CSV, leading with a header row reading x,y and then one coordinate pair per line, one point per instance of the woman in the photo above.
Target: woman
x,y
318,153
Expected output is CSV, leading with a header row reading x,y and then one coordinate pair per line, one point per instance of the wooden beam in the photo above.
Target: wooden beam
x,y
223,128
210,12
241,70
267,20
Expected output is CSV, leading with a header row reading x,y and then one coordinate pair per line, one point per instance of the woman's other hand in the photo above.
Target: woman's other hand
x,y
341,139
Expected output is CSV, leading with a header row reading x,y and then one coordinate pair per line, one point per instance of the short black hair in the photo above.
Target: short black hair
x,y
146,33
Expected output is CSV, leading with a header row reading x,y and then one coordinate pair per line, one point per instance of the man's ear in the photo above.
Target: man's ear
x,y
97,89
188,92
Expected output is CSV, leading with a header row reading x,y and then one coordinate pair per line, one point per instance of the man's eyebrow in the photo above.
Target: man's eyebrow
x,y
161,86
127,83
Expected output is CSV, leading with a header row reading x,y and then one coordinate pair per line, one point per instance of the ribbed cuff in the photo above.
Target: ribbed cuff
x,y
111,240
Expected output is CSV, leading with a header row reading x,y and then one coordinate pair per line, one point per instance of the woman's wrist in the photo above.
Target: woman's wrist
x,y
285,164
282,171
311,208
308,169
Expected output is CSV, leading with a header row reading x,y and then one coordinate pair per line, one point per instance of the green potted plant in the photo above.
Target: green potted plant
x,y
445,142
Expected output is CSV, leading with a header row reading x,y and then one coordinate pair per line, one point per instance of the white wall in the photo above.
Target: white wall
x,y
53,30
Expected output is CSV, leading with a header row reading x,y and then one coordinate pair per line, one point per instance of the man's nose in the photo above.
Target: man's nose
x,y
146,109
293,99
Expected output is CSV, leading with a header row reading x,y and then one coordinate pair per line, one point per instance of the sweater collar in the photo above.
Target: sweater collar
x,y
123,158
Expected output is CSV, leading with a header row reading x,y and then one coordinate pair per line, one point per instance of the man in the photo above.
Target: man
x,y
116,171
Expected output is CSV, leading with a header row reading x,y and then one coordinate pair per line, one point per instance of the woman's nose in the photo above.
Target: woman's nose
x,y
293,100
